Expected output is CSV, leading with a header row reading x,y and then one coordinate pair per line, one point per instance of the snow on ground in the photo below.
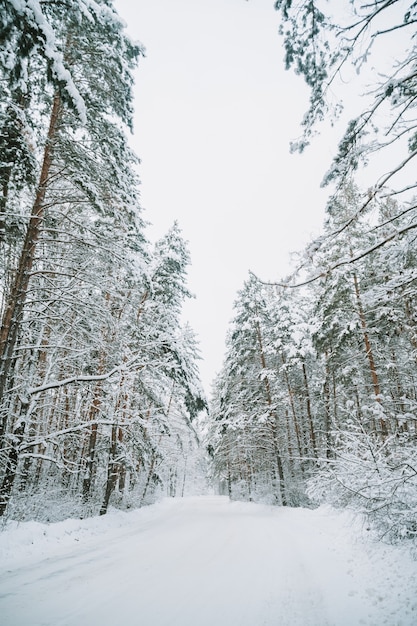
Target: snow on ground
x,y
204,561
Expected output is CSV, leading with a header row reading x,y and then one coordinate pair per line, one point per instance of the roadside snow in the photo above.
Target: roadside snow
x,y
204,562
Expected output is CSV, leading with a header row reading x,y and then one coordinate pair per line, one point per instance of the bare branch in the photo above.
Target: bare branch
x,y
82,379
349,261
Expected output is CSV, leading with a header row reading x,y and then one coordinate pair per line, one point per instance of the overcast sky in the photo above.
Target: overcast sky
x,y
215,111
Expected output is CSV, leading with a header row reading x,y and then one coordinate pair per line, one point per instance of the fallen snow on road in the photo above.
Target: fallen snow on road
x,y
204,561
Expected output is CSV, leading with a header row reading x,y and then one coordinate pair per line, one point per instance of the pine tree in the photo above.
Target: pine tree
x,y
77,160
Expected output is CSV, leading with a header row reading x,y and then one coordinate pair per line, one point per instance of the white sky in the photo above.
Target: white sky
x,y
215,111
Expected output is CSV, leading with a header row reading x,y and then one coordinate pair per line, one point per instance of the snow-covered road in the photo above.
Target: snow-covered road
x,y
204,562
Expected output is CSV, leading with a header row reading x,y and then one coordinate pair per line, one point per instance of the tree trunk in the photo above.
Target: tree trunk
x,y
278,460
309,413
327,411
116,437
229,480
292,405
150,471
112,471
274,416
369,353
13,313
12,463
92,440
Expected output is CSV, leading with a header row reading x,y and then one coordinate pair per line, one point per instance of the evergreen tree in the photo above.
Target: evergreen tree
x,y
263,409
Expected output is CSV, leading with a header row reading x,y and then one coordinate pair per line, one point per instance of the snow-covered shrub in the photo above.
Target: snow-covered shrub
x,y
373,476
54,505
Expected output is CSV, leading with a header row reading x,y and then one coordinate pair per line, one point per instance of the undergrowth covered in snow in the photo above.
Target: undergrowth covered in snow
x,y
375,478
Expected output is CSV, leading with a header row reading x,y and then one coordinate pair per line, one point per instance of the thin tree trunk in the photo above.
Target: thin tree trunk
x,y
274,417
92,441
12,462
93,412
292,405
154,451
184,476
327,411
122,467
411,316
148,478
369,353
229,479
278,461
113,467
309,413
112,470
287,425
150,471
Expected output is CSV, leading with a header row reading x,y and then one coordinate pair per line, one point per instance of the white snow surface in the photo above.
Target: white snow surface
x,y
205,561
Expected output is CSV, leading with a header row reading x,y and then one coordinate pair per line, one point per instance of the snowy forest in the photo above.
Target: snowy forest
x,y
100,398
98,380
316,400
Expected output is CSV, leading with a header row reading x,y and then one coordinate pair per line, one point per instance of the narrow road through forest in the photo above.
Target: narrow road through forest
x,y
205,561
